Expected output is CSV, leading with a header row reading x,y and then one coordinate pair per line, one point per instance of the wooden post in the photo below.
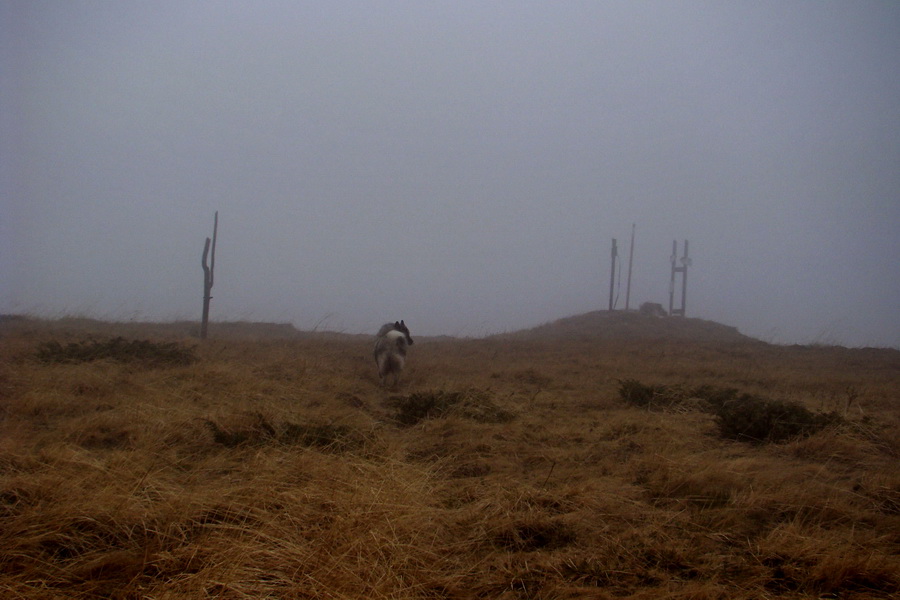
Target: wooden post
x,y
208,277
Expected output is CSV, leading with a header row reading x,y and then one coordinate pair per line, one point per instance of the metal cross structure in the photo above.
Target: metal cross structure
x,y
685,263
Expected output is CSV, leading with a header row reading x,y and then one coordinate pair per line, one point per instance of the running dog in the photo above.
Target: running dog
x,y
390,349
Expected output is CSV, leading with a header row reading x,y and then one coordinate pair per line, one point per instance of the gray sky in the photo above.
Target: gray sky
x,y
462,165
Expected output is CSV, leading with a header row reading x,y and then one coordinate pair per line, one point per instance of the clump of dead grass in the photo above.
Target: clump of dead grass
x,y
116,349
760,420
257,429
799,559
740,416
474,404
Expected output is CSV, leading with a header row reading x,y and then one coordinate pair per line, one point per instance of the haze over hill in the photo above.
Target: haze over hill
x,y
633,326
461,165
601,325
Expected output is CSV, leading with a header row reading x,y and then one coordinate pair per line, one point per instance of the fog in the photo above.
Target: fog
x,y
460,165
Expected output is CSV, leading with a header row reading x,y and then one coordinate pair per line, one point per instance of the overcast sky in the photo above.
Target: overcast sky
x,y
462,165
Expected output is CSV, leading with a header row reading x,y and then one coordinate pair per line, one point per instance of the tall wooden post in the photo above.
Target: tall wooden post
x,y
208,276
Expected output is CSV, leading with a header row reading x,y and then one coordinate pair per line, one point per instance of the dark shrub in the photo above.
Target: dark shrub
x,y
759,420
740,416
639,394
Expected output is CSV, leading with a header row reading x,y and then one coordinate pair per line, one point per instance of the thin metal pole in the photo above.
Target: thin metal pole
x,y
684,267
630,258
612,274
674,257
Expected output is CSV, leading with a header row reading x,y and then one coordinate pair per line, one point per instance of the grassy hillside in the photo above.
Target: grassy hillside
x,y
604,325
136,462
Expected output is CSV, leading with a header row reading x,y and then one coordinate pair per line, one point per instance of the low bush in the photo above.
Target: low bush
x,y
760,420
640,394
740,416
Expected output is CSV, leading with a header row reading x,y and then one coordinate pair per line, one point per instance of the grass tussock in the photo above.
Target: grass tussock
x,y
473,404
740,416
116,349
256,429
507,468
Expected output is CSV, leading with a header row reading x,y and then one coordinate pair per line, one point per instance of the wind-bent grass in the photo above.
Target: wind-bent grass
x,y
278,468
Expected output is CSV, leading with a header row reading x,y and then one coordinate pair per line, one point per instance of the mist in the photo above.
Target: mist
x,y
463,166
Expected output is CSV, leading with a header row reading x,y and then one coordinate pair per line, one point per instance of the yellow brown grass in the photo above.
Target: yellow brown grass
x,y
276,467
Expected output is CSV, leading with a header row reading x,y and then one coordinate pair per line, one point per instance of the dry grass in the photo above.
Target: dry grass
x,y
277,467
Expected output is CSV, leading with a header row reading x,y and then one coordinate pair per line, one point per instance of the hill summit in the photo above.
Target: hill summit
x,y
632,325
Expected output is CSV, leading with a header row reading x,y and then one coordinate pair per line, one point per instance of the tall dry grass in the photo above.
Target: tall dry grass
x,y
278,468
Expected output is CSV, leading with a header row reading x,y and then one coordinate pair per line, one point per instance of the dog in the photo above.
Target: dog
x,y
391,343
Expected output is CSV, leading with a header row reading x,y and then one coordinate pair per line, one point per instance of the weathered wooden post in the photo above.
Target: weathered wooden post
x,y
208,277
